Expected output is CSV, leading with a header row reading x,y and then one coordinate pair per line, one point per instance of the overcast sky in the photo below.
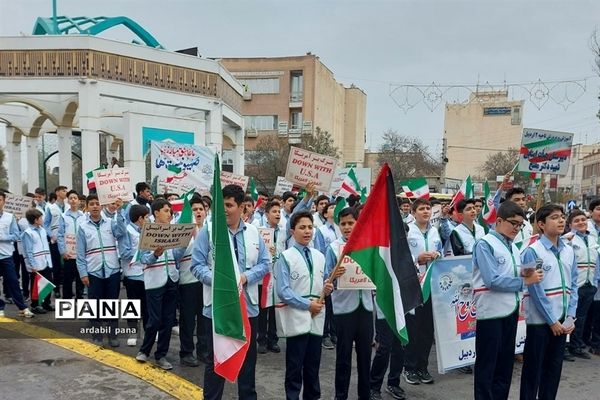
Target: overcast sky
x,y
377,43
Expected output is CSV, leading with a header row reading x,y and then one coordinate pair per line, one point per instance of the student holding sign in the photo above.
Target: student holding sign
x,y
68,225
353,314
161,275
425,247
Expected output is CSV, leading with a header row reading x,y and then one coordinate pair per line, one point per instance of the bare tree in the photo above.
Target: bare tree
x,y
3,173
268,160
501,163
407,156
320,142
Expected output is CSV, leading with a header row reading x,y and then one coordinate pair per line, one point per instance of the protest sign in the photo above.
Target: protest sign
x,y
227,178
546,152
282,186
180,167
436,215
113,184
268,235
70,244
354,278
362,174
167,236
454,313
305,166
17,205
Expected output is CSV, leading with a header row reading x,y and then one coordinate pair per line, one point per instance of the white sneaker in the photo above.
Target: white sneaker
x,y
175,330
132,341
141,357
26,313
1,313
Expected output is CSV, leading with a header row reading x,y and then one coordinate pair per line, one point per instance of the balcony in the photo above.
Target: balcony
x,y
296,99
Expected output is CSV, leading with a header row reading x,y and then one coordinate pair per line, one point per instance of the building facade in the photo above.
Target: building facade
x,y
486,124
572,182
292,96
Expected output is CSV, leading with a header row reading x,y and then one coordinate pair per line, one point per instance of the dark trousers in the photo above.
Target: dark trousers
x,y
46,273
104,288
57,272
302,361
135,290
542,363
9,277
191,319
21,271
355,327
389,351
267,328
420,338
495,349
71,274
329,327
162,305
586,298
214,384
595,325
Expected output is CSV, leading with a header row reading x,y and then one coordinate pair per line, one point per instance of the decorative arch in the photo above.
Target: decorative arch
x,y
31,103
69,114
92,26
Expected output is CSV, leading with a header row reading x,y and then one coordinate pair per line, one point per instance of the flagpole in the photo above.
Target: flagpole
x,y
540,192
333,272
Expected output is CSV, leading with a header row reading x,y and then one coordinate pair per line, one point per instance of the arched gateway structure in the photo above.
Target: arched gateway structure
x,y
127,93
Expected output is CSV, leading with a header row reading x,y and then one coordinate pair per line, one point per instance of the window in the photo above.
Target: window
x,y
261,122
261,86
516,116
296,86
296,120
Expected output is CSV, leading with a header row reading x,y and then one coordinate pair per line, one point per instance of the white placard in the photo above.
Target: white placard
x,y
227,178
305,166
268,235
167,236
71,244
113,184
17,205
354,278
546,152
282,186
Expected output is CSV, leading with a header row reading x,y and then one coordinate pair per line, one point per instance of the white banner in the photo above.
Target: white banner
x,y
180,167
227,178
282,186
545,151
306,166
167,236
17,205
113,184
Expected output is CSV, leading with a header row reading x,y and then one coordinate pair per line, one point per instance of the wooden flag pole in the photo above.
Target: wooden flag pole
x,y
333,272
540,192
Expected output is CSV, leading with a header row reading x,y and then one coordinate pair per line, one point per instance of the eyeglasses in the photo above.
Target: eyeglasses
x,y
516,224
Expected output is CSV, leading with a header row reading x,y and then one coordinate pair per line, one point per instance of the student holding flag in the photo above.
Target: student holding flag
x,y
464,235
425,247
353,314
497,284
299,279
228,355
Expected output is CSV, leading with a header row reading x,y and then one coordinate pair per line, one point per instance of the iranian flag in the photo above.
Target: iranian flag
x,y
351,186
465,191
415,188
182,204
42,287
488,212
523,243
378,244
231,327
254,193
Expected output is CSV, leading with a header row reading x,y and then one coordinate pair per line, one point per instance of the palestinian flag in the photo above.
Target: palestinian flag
x,y
351,186
381,249
415,188
91,184
254,193
231,327
42,287
465,191
488,212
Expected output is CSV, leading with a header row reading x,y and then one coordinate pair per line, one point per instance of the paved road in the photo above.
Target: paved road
x,y
30,365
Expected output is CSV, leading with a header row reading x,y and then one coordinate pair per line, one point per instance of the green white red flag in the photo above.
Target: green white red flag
x,y
465,191
415,188
231,327
42,287
254,193
351,186
488,212
378,244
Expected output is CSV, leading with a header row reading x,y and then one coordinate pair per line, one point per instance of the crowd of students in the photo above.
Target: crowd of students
x,y
87,249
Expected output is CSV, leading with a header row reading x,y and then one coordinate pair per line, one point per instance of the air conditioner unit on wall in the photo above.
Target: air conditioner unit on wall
x,y
251,133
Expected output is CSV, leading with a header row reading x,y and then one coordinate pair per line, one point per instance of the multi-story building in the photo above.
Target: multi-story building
x,y
488,123
591,171
572,182
292,96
